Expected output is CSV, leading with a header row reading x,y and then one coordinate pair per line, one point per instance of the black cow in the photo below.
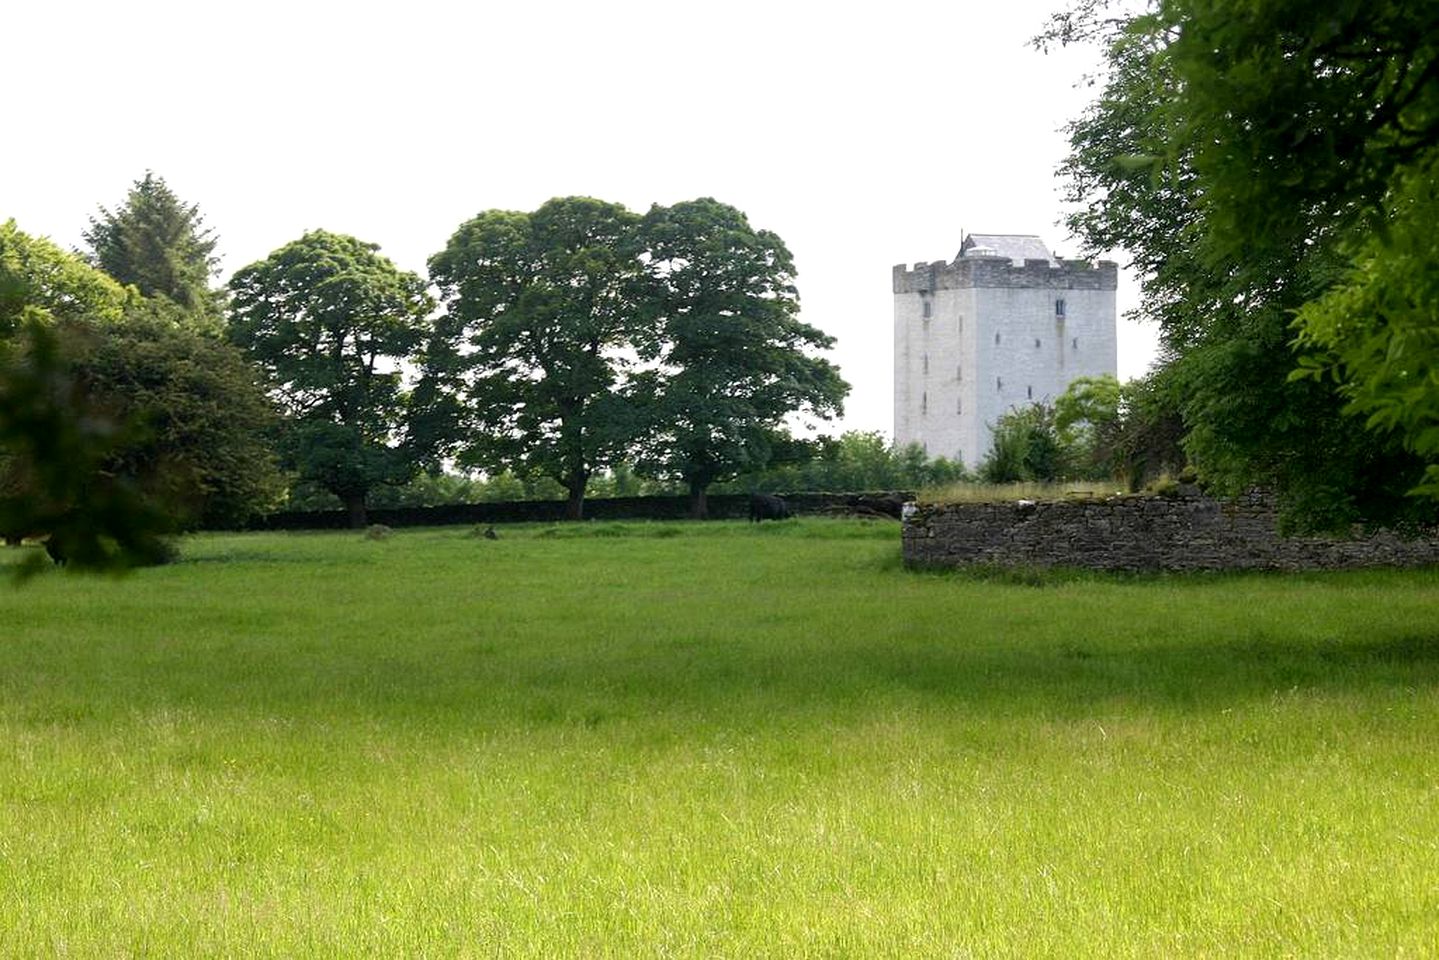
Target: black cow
x,y
764,506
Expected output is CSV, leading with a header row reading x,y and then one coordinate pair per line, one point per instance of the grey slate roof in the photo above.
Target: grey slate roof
x,y
1018,247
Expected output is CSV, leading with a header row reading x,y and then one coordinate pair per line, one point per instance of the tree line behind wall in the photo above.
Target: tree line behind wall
x,y
1270,167
855,461
570,347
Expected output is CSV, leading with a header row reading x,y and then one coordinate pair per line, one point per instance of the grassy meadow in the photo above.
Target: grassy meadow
x,y
630,740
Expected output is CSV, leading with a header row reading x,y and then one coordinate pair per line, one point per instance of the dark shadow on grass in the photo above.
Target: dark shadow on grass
x,y
245,557
491,686
1073,675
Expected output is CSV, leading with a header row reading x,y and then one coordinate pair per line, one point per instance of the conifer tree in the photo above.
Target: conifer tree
x,y
161,245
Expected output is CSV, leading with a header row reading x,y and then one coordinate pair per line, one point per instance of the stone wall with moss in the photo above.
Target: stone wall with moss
x,y
1189,531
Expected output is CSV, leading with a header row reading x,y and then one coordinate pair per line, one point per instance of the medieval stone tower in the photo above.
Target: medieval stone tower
x,y
1006,324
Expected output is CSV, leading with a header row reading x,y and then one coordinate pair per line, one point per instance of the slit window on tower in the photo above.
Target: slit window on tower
x,y
959,406
1036,342
1029,392
1059,308
959,372
996,338
926,363
924,402
960,324
999,383
1074,344
928,308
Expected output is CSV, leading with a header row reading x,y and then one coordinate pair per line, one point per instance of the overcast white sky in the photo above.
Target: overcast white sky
x,y
864,135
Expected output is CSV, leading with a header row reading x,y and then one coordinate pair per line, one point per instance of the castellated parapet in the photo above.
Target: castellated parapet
x,y
1001,273
1003,325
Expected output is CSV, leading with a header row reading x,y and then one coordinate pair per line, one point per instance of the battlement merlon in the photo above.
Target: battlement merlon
x,y
968,272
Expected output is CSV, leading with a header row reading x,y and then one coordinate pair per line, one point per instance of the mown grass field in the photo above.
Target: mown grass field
x,y
710,740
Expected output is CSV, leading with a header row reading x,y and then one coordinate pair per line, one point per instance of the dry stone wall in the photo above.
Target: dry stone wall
x,y
1187,532
722,506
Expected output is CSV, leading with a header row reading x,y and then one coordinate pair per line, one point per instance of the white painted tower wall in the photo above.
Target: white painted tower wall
x,y
980,336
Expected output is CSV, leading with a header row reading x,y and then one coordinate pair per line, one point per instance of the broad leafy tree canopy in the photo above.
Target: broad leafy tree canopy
x,y
1243,153
37,275
734,358
119,422
330,321
199,421
542,324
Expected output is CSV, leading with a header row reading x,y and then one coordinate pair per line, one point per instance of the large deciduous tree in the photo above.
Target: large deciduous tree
x,y
1241,152
331,321
1316,127
198,417
734,358
159,244
1377,332
541,329
38,276
119,422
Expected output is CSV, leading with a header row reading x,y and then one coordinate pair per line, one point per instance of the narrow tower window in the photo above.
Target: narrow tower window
x,y
928,308
926,363
959,406
1029,392
999,383
1059,308
924,402
996,338
959,372
1036,343
1074,344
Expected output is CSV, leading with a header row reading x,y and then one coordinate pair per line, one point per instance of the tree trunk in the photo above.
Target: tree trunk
x,y
355,507
699,502
575,506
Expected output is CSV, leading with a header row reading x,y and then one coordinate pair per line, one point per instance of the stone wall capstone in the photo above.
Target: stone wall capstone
x,y
1143,533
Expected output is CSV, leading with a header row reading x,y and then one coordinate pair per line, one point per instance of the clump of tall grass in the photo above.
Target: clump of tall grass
x,y
1030,490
